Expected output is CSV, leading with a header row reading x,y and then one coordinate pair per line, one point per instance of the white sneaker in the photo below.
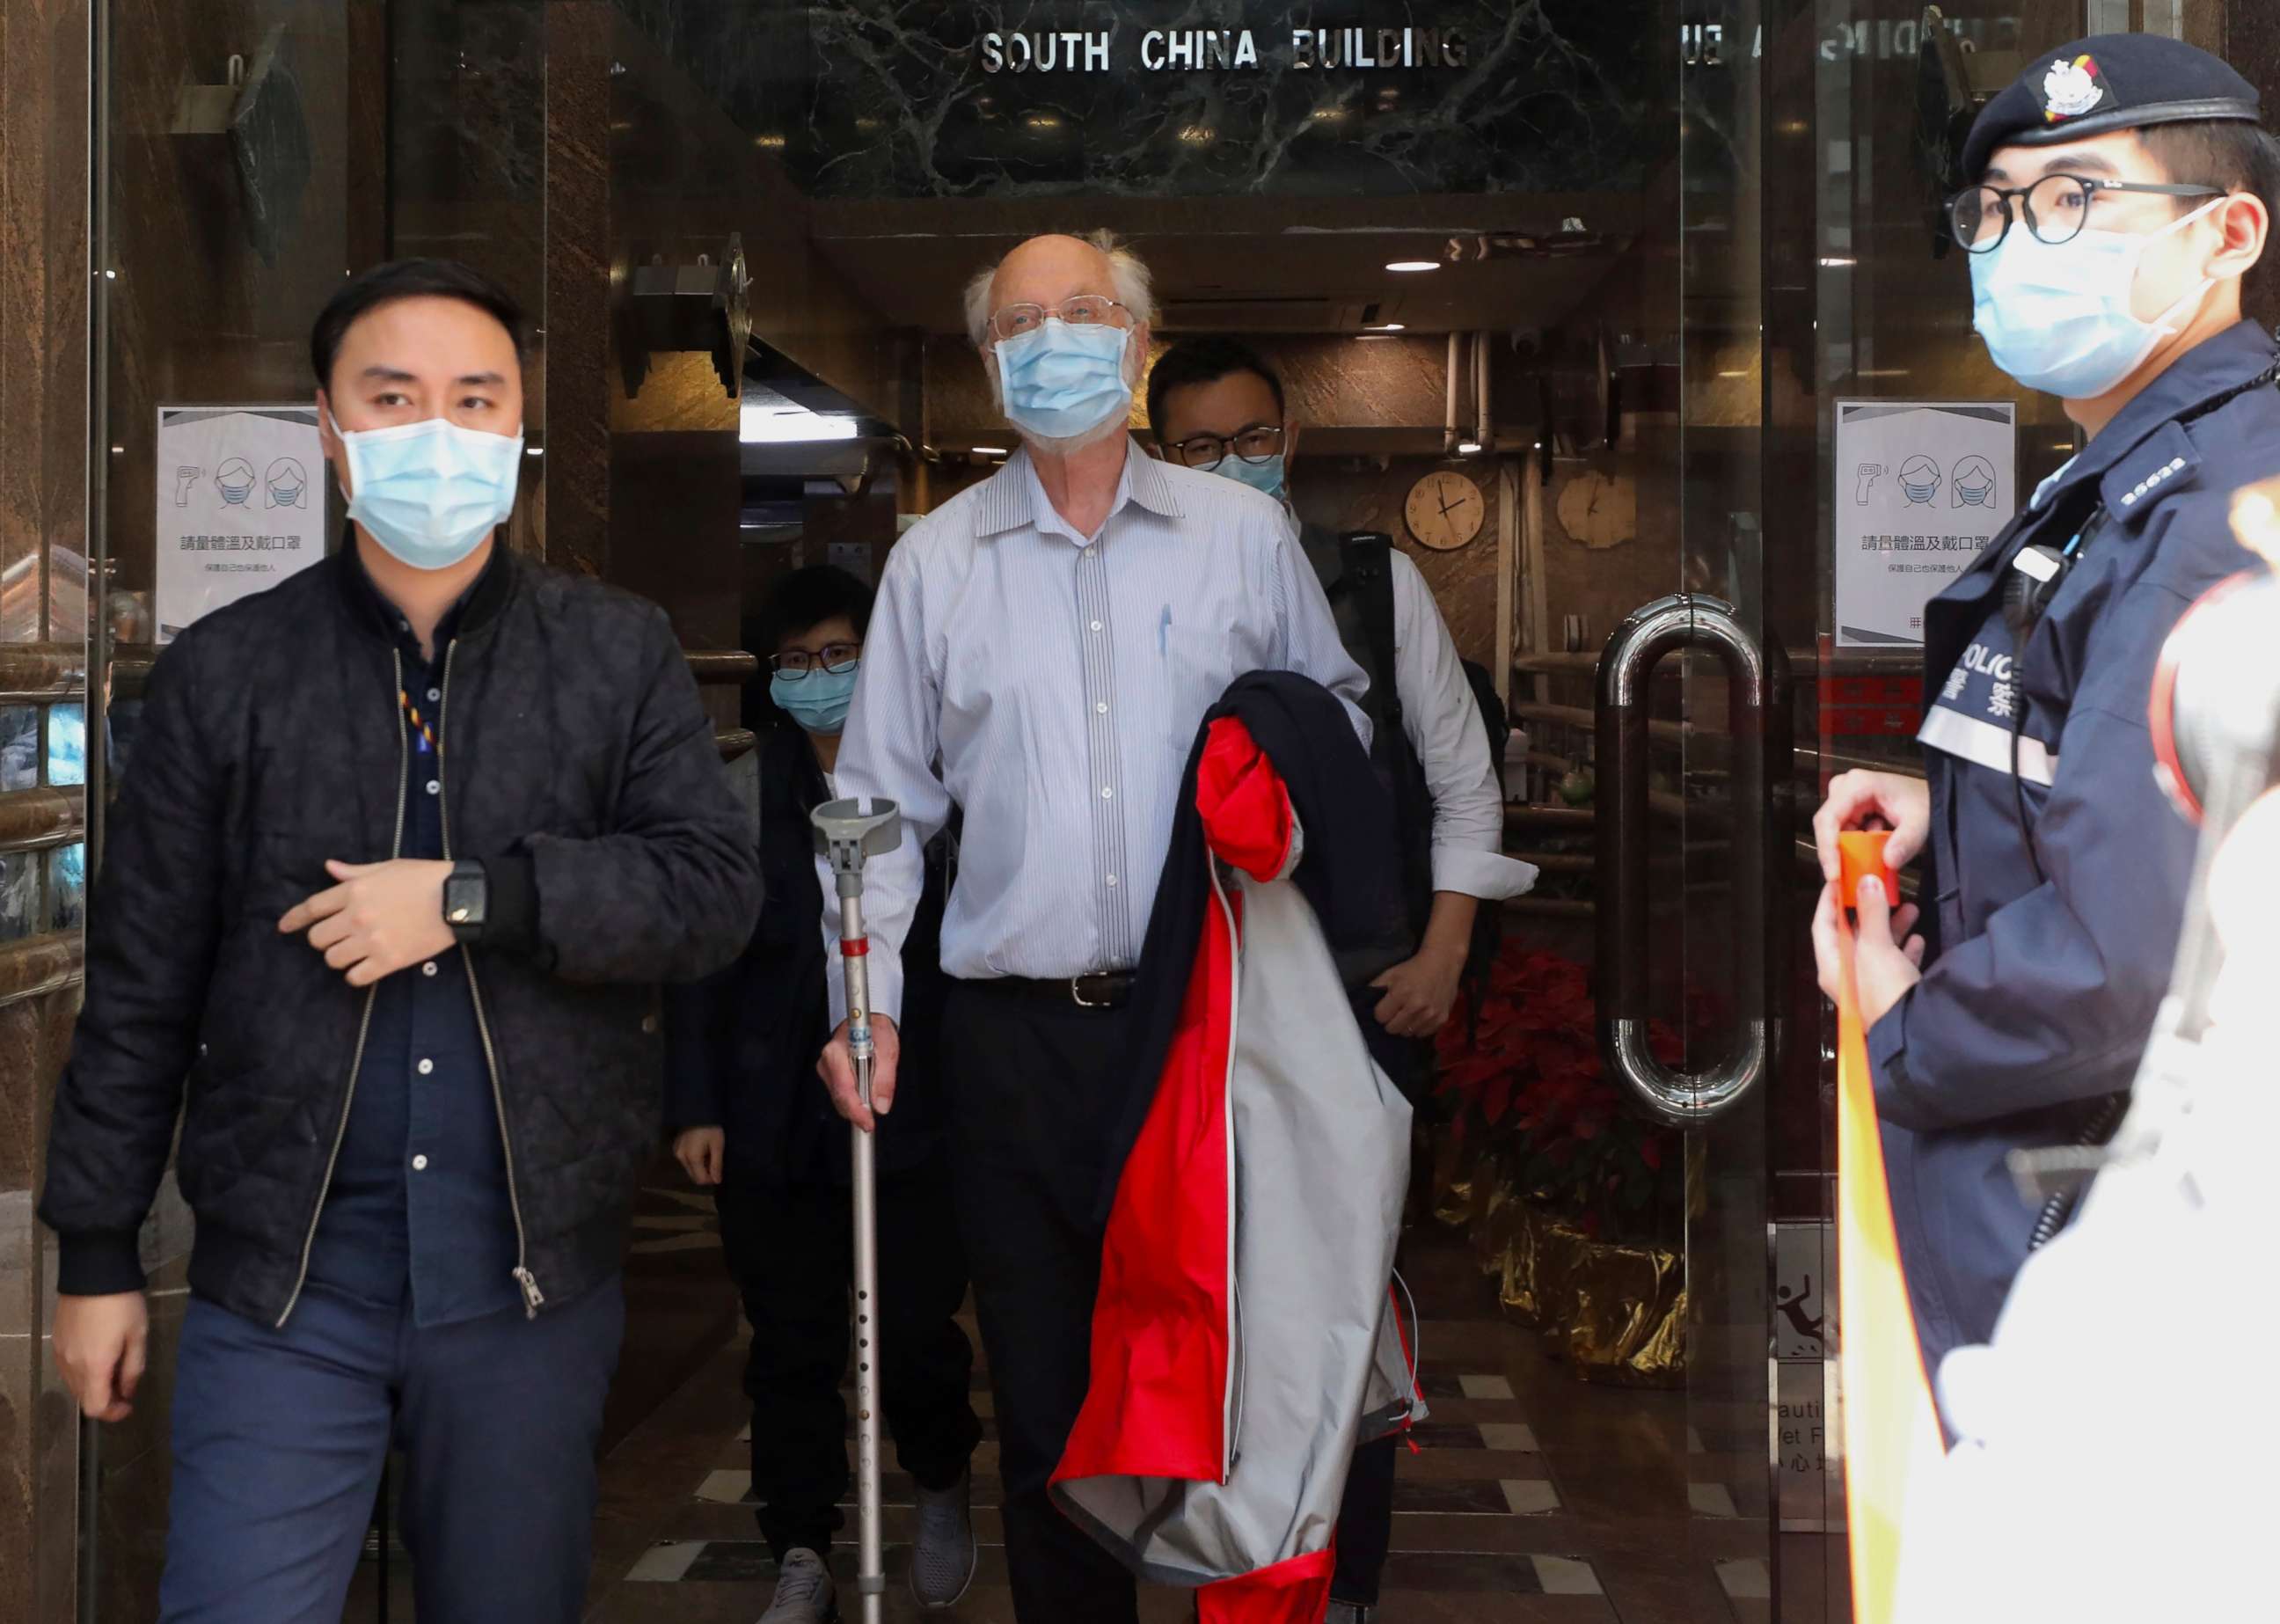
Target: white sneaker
x,y
804,1591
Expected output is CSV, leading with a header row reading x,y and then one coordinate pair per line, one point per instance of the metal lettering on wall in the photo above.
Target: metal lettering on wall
x,y
883,99
1192,50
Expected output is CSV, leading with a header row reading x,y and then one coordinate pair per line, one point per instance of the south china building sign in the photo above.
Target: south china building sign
x,y
1097,51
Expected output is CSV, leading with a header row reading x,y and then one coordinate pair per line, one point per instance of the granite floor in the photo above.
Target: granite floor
x,y
1532,1497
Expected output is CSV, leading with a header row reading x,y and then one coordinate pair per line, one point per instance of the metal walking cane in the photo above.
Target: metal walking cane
x,y
846,833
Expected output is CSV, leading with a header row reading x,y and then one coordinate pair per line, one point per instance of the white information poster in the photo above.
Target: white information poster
x,y
240,505
1922,487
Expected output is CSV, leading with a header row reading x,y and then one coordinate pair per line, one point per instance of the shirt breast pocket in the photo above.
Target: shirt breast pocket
x,y
1196,663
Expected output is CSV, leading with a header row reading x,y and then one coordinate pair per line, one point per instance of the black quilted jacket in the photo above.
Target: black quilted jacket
x,y
578,763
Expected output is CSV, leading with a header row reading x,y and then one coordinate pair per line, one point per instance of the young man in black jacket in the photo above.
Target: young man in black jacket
x,y
753,1122
408,841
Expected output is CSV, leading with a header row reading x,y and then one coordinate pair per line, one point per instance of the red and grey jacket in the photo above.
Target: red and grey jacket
x,y
1243,1338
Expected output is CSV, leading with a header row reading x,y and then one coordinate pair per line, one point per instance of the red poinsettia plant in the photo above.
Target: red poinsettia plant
x,y
1525,1080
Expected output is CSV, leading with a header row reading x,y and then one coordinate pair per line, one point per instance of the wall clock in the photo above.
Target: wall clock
x,y
1599,510
1444,510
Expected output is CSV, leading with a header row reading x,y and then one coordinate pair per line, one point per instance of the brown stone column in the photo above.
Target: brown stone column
x,y
44,81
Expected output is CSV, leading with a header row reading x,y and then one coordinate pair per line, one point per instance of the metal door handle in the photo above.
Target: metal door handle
x,y
1761,858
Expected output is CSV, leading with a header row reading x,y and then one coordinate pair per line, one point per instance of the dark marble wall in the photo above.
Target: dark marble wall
x,y
215,287
43,466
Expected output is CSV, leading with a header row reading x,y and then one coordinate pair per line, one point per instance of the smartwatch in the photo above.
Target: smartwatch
x,y
467,901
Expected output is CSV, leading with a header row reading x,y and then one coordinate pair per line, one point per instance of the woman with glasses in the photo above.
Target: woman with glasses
x,y
754,1126
2123,189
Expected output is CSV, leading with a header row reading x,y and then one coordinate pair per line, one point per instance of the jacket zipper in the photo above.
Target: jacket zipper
x,y
364,1021
533,1298
1231,1396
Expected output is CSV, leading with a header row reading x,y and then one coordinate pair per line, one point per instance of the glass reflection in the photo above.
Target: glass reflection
x,y
67,887
67,744
20,746
20,894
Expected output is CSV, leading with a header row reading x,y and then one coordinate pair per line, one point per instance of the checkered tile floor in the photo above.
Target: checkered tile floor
x,y
1531,1497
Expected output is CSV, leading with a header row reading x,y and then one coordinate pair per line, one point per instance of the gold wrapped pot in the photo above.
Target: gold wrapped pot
x,y
1616,1313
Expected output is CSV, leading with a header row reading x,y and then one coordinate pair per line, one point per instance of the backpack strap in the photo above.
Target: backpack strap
x,y
1368,572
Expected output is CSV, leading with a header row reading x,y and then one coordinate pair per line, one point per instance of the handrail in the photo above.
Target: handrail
x,y
1760,731
1904,662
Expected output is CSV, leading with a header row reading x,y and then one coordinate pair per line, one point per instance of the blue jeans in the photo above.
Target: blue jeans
x,y
279,1436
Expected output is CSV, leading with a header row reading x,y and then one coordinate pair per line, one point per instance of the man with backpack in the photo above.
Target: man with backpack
x,y
1213,404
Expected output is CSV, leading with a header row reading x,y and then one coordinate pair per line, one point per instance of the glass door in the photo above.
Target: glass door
x,y
1810,301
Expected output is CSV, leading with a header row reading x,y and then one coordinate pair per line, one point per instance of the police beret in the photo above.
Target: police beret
x,y
2113,81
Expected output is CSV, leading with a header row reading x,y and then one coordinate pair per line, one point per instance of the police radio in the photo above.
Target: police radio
x,y
2037,573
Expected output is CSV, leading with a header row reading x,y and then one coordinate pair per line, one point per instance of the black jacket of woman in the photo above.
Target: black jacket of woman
x,y
741,1046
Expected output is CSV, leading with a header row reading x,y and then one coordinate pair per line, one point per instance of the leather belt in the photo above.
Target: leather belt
x,y
1104,989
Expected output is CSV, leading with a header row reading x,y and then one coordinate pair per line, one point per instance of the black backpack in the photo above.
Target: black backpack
x,y
1356,570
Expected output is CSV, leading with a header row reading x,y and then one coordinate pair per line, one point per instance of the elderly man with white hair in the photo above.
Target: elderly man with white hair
x,y
1043,651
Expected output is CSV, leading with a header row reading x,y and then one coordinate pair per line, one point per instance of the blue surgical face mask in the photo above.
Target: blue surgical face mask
x,y
817,702
1268,477
2058,318
1061,382
429,492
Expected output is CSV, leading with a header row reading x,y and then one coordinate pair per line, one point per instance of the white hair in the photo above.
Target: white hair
x,y
1128,275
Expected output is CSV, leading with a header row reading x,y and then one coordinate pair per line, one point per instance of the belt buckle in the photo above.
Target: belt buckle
x,y
1076,993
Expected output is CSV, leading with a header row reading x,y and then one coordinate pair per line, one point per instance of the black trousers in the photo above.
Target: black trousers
x,y
1366,1522
1366,1514
1028,1122
791,1251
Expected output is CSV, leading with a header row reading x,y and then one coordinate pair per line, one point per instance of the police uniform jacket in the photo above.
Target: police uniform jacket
x,y
2038,994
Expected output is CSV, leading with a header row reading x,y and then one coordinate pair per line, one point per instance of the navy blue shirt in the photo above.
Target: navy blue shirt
x,y
419,1201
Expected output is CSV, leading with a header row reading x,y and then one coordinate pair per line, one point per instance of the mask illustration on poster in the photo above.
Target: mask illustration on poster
x,y
287,482
1972,483
235,479
1919,480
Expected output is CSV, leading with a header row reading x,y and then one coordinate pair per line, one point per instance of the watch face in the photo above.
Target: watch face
x,y
463,900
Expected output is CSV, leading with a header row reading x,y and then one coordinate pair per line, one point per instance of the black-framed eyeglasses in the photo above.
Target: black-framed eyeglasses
x,y
1086,310
2055,208
1258,444
835,657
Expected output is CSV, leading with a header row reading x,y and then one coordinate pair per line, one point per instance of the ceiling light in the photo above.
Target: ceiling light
x,y
1468,447
759,425
1416,265
1837,263
1387,326
989,450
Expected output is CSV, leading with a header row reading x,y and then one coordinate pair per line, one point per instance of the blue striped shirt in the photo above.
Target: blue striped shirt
x,y
1050,684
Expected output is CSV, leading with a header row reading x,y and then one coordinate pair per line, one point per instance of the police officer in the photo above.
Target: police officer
x,y
2124,187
